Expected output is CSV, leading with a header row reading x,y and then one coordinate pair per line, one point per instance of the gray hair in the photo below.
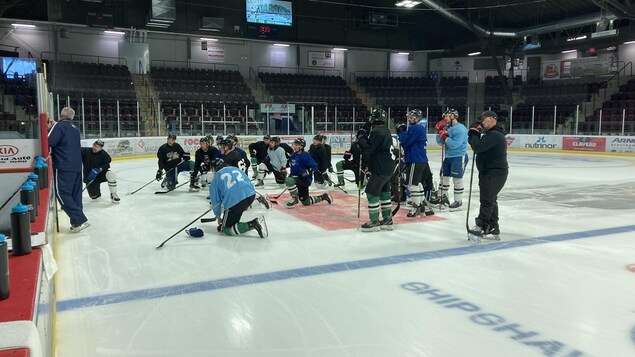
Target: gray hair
x,y
67,113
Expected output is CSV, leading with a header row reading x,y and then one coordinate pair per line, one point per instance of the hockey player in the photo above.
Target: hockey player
x,y
236,148
328,152
322,159
288,151
202,160
413,140
453,135
230,156
375,141
173,160
232,190
491,161
96,164
302,168
351,162
258,153
275,162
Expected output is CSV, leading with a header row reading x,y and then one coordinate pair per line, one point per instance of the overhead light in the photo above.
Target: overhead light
x,y
576,38
210,30
474,54
407,3
152,24
114,32
569,51
209,39
629,42
281,44
26,26
403,53
340,49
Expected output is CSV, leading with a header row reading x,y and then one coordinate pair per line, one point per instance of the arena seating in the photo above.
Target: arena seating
x,y
222,93
410,92
619,108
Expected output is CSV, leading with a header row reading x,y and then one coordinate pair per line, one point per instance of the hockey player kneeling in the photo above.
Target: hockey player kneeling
x,y
302,168
232,189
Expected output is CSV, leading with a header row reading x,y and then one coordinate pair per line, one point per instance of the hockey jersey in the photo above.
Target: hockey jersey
x,y
229,186
300,162
170,156
203,159
91,160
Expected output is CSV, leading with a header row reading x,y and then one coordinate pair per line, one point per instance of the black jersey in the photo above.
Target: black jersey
x,y
259,150
170,156
203,160
377,147
233,158
321,157
91,160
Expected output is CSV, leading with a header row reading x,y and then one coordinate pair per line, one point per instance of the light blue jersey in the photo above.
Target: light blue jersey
x,y
229,186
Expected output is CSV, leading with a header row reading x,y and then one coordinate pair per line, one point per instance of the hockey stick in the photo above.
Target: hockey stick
x,y
441,178
278,196
398,168
140,188
469,197
266,198
207,220
88,184
185,227
13,195
164,192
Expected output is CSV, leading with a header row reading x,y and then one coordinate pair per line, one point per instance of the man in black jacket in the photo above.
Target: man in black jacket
x,y
258,153
491,161
203,158
173,160
375,141
322,158
96,165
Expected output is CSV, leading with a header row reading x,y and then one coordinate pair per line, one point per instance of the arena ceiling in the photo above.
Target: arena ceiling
x,y
453,25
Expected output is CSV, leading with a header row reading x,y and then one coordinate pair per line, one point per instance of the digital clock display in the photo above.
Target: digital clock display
x,y
262,31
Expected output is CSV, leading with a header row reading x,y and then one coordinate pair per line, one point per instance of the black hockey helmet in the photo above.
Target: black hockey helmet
x,y
451,111
99,143
414,113
217,164
276,139
232,137
318,137
377,116
219,138
266,137
300,142
226,142
172,136
204,139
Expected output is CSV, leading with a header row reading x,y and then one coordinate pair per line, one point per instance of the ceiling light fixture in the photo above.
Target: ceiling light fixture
x,y
209,39
26,26
403,53
281,44
340,49
576,38
114,32
474,54
629,42
569,51
407,3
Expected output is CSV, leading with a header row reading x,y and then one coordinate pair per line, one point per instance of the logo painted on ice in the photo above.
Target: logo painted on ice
x,y
491,321
8,150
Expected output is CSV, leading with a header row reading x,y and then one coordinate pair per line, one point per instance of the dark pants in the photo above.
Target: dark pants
x,y
377,184
280,178
171,175
93,188
232,215
69,193
490,186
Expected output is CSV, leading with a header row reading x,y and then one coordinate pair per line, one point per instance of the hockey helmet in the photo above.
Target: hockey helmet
x,y
299,142
219,138
226,142
415,114
266,137
276,139
172,136
232,137
451,111
204,139
99,143
318,137
378,116
217,164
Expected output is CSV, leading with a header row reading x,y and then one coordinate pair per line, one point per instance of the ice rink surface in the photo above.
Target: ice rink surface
x,y
561,282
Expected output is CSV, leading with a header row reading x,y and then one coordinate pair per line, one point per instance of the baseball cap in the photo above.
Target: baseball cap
x,y
489,113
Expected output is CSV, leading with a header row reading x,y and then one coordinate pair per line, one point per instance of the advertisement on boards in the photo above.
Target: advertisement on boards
x,y
17,153
621,144
584,143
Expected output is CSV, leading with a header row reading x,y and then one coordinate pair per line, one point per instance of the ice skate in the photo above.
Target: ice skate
x,y
294,201
415,212
327,197
260,226
492,234
386,224
77,229
260,183
475,234
456,206
264,202
372,226
114,198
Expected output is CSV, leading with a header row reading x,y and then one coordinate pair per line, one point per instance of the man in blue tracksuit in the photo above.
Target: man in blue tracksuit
x,y
413,139
302,168
452,134
232,190
66,149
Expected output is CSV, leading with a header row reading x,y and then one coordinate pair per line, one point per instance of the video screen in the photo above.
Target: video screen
x,y
17,67
272,12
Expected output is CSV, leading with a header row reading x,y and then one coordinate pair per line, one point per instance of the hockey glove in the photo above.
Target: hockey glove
x,y
443,134
306,173
475,129
159,174
441,125
283,171
204,167
401,127
361,133
92,175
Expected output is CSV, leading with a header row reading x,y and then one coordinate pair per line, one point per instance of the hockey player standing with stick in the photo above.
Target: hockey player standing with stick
x,y
302,168
453,135
232,189
413,140
96,163
491,160
173,160
375,141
